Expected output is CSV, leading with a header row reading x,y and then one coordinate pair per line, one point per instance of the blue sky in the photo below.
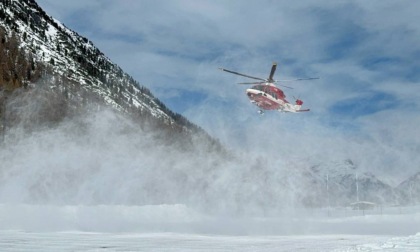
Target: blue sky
x,y
366,53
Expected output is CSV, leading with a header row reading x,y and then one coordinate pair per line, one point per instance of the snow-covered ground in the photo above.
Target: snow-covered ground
x,y
83,241
179,228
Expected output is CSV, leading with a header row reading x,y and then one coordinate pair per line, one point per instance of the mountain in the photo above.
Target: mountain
x,y
82,131
341,183
410,189
77,70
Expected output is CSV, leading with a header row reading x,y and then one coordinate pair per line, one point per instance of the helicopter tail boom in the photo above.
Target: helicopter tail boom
x,y
303,110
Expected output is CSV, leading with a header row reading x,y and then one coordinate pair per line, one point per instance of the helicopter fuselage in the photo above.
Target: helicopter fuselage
x,y
266,96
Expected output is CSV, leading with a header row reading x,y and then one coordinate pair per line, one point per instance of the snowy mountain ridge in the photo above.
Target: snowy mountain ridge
x,y
75,57
342,183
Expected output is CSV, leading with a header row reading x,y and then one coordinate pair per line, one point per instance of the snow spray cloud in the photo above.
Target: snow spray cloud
x,y
100,157
375,146
88,168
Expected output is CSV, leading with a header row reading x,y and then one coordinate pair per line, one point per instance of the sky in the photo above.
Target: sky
x,y
364,107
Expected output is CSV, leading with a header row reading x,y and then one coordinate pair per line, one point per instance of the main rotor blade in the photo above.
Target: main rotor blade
x,y
251,83
244,75
286,86
255,83
299,79
273,70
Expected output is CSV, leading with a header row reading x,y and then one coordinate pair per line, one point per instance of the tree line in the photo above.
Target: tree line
x,y
17,67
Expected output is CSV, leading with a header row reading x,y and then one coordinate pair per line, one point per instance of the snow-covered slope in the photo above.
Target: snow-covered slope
x,y
75,58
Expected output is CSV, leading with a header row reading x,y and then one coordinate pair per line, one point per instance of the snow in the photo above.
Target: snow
x,y
65,191
61,190
84,241
25,227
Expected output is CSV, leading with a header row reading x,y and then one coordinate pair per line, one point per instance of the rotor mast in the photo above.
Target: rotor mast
x,y
273,70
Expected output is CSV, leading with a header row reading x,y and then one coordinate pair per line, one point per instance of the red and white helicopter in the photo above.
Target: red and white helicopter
x,y
267,96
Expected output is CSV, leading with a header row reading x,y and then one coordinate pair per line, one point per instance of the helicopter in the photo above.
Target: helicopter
x,y
267,96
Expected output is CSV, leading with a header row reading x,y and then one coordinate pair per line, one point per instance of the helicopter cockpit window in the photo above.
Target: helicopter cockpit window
x,y
258,87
